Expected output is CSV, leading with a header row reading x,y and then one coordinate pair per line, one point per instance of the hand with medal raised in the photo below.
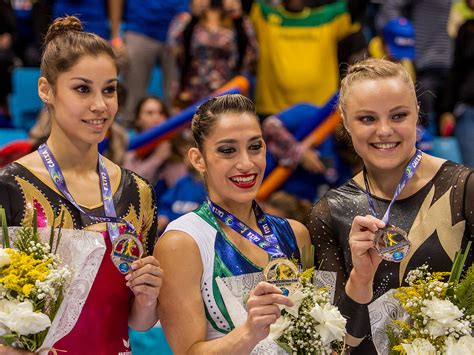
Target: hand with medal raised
x,y
365,259
263,310
145,280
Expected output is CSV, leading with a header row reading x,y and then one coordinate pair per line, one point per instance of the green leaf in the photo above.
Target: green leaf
x,y
284,346
51,234
9,339
458,264
464,292
35,225
303,257
3,220
61,221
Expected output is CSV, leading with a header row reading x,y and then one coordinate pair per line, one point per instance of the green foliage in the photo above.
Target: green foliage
x,y
464,293
24,236
394,339
5,237
458,264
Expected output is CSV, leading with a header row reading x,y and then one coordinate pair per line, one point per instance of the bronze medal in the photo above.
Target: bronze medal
x,y
392,243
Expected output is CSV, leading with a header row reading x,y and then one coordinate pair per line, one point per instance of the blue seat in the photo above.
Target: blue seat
x,y
447,148
8,135
24,101
155,84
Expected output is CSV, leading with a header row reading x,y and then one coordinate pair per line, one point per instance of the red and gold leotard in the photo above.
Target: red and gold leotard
x,y
102,327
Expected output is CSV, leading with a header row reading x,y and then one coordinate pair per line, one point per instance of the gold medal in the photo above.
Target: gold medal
x,y
392,243
125,250
283,274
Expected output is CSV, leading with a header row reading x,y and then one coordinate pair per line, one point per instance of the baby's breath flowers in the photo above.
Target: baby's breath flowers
x,y
312,325
32,281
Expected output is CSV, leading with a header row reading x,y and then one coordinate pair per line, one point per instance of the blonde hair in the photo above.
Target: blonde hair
x,y
372,69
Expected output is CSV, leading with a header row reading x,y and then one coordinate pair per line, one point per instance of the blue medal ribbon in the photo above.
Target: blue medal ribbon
x,y
407,175
267,241
110,214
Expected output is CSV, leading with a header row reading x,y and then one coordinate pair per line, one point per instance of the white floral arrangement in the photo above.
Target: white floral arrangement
x,y
312,325
32,282
440,312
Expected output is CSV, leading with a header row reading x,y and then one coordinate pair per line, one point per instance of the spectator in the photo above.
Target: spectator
x,y
433,48
33,18
461,11
92,13
146,25
7,31
297,53
185,189
150,112
459,98
397,43
212,44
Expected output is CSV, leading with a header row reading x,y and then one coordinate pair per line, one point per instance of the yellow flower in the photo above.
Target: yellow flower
x,y
22,273
26,289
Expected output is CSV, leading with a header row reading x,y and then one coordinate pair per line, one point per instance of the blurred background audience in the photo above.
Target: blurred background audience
x,y
293,53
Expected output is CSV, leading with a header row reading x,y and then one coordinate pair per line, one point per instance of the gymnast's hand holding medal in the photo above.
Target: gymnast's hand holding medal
x,y
390,241
143,276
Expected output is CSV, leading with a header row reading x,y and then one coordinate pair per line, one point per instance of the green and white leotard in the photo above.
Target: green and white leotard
x,y
220,258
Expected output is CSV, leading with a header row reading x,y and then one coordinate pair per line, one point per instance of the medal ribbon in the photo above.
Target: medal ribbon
x,y
267,241
407,175
110,214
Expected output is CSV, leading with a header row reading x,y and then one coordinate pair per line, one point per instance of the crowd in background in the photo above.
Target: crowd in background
x,y
292,51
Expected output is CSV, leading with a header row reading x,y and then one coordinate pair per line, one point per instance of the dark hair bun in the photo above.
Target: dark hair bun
x,y
61,26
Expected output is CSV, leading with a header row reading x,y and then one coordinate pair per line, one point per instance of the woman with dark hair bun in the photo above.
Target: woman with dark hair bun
x,y
227,236
78,85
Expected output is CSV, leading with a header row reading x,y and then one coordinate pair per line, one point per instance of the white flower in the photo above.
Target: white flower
x,y
277,328
297,298
464,346
419,347
4,258
21,319
332,324
6,307
443,315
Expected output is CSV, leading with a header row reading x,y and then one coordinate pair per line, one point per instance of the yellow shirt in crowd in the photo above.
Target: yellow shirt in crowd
x,y
297,54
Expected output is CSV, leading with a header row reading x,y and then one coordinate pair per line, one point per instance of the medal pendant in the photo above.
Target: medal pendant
x,y
392,243
125,250
283,274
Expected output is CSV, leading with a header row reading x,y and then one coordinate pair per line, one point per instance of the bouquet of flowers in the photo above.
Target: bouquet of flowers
x,y
312,325
439,314
45,277
32,282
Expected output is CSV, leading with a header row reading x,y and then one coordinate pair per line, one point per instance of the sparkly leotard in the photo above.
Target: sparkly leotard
x,y
439,220
102,327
